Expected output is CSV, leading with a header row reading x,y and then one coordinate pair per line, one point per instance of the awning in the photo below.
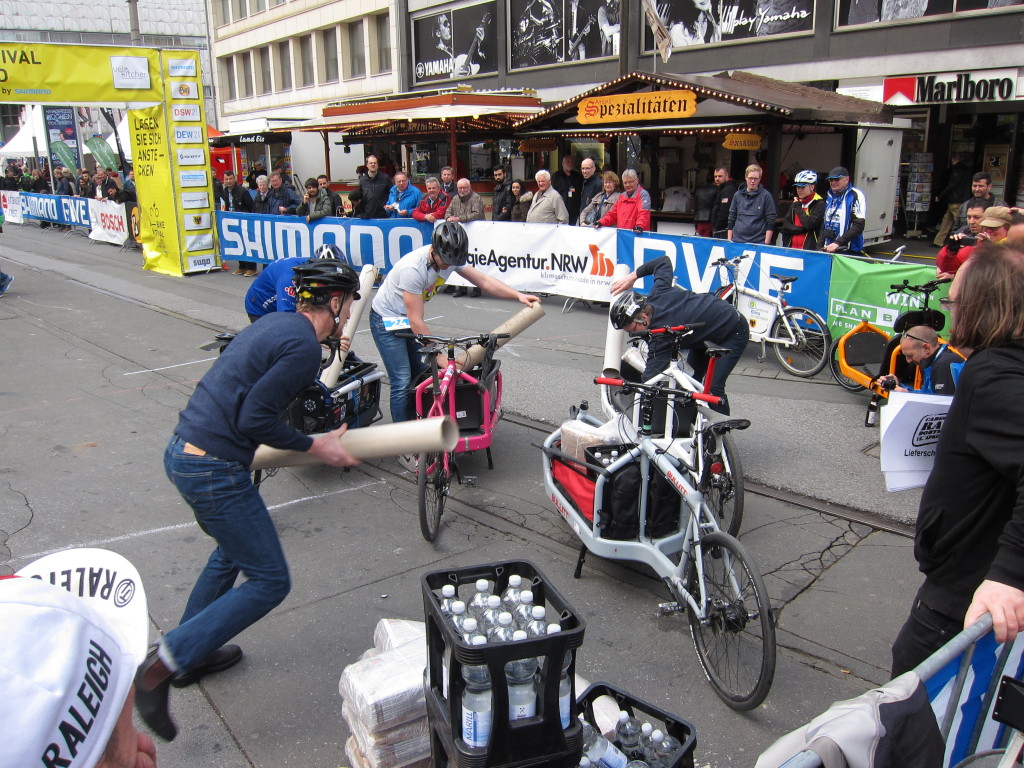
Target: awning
x,y
241,139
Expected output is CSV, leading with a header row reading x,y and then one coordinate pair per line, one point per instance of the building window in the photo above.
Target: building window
x,y
241,9
356,50
246,64
227,77
222,10
306,60
329,41
284,66
259,5
382,27
265,83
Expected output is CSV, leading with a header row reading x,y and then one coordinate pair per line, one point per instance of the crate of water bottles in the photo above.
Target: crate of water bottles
x,y
501,660
644,736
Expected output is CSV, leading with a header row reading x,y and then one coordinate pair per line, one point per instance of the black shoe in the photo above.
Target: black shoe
x,y
218,661
459,292
475,293
151,703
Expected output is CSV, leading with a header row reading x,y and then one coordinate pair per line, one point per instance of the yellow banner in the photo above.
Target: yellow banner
x,y
43,73
749,141
659,105
157,225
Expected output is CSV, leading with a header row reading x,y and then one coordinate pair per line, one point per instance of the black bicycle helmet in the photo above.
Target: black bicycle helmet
x,y
329,251
451,243
318,280
626,308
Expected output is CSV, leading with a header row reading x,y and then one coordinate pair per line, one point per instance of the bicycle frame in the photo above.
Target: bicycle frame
x,y
761,309
443,403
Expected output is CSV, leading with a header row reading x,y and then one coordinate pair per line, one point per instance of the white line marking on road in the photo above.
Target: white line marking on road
x,y
180,526
166,367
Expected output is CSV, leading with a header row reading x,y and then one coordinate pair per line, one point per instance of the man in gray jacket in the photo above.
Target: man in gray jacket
x,y
752,213
547,205
466,206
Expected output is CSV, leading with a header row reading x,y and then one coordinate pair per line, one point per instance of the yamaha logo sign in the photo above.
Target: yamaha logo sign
x,y
991,85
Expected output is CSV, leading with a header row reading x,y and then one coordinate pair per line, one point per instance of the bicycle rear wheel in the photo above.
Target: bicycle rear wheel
x,y
841,378
432,480
736,641
810,352
725,495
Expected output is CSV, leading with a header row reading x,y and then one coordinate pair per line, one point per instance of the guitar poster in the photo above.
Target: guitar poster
x,y
545,32
455,44
705,22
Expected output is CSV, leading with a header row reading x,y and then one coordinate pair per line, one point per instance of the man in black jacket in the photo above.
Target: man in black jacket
x,y
569,184
970,526
501,203
723,201
956,190
375,186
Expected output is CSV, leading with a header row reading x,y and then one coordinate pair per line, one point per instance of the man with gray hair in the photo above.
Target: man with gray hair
x,y
632,209
548,206
467,205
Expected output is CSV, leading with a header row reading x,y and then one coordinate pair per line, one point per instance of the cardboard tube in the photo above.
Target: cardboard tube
x,y
515,325
435,434
367,277
615,340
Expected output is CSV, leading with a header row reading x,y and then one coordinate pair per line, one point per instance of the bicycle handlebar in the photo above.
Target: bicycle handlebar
x,y
929,287
675,329
453,341
629,386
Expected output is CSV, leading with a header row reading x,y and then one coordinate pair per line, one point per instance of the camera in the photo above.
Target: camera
x,y
830,233
954,244
888,384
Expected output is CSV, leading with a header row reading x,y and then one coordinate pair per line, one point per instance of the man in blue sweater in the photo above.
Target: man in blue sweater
x,y
237,406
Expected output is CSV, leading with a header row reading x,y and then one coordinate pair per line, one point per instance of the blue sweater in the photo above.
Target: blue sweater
x,y
273,290
239,403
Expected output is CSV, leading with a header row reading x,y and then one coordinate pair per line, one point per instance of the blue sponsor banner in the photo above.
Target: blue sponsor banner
x,y
259,237
69,211
693,257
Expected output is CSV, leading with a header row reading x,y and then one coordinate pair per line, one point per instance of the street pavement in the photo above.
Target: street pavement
x,y
100,355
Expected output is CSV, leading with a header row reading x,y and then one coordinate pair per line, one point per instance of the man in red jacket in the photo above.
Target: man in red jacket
x,y
633,208
433,204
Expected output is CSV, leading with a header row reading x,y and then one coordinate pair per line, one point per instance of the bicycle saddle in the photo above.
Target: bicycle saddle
x,y
713,350
785,279
720,424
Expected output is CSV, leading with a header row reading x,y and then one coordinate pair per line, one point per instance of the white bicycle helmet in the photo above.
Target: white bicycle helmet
x,y
806,177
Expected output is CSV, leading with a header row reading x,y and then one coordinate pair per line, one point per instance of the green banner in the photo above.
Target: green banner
x,y
861,290
105,157
63,151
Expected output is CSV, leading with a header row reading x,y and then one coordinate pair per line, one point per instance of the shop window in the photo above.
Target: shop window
x,y
284,66
306,74
356,50
329,56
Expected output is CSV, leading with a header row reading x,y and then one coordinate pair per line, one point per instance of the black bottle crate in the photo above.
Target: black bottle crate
x,y
644,712
531,741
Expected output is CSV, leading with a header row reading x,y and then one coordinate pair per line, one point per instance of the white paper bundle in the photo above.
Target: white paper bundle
x,y
391,633
387,690
398,746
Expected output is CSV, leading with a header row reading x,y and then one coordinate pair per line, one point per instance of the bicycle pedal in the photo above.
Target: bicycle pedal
x,y
667,609
469,480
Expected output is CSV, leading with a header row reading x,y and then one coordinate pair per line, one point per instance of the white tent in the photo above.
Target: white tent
x,y
21,144
122,132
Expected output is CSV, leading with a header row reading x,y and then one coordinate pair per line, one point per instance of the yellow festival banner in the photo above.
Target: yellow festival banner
x,y
657,105
167,126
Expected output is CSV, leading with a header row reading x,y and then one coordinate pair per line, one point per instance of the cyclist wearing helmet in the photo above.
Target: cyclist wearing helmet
x,y
237,405
667,305
398,306
274,289
801,226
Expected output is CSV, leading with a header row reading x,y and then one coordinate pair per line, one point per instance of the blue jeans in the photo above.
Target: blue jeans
x,y
697,360
403,362
228,508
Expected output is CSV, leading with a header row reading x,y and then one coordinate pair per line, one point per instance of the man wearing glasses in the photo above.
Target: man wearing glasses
x,y
845,211
940,366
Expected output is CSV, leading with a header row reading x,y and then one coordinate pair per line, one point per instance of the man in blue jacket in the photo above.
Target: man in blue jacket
x,y
845,211
402,198
752,211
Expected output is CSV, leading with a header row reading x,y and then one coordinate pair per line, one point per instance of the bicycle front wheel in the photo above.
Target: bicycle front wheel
x,y
841,378
808,355
724,497
432,479
735,641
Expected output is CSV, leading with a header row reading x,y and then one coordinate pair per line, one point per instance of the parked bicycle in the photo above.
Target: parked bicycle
x,y
667,524
799,336
685,419
472,398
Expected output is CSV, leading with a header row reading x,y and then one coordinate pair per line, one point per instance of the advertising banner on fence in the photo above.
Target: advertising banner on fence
x,y
862,290
11,202
569,261
69,211
109,221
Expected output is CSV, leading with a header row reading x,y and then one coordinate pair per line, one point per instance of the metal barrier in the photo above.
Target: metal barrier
x,y
962,699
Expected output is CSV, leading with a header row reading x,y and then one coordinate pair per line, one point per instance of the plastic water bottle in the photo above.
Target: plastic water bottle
x,y
537,627
504,631
584,762
489,620
651,755
510,597
478,603
459,616
645,737
477,703
602,753
447,599
470,631
627,733
564,683
522,694
665,751
523,613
